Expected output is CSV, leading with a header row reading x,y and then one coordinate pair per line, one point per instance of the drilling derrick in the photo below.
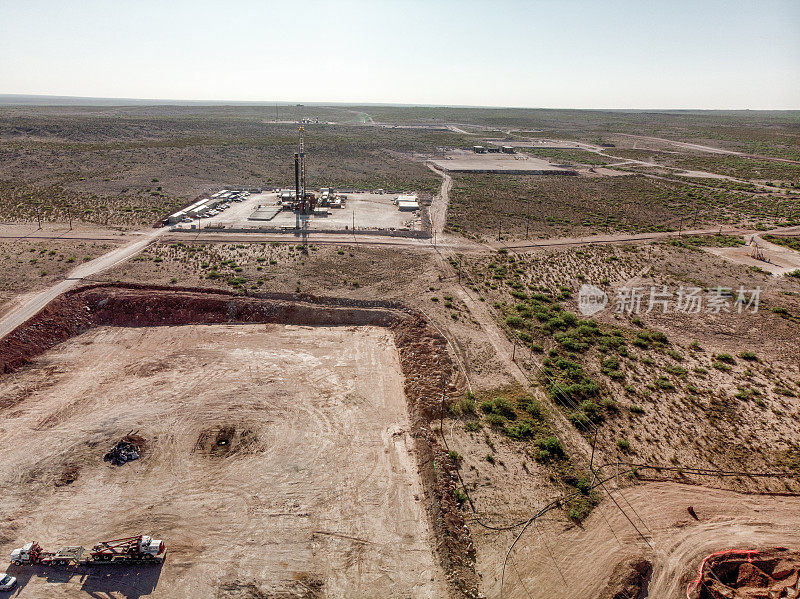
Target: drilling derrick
x,y
303,200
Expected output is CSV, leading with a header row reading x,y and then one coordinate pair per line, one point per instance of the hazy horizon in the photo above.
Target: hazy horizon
x,y
90,101
628,55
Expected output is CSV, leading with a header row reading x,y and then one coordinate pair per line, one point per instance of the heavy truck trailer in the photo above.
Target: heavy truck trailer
x,y
137,549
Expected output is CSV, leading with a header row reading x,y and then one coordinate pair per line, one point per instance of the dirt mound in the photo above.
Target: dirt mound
x,y
629,581
225,440
749,574
68,476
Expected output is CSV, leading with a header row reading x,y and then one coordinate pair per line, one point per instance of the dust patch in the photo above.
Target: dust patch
x,y
303,586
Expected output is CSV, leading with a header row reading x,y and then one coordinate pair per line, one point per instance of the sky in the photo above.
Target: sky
x,y
698,54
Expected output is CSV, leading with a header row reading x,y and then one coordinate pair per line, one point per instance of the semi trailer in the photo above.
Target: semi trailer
x,y
138,549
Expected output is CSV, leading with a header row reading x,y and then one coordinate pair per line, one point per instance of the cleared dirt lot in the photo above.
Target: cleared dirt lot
x,y
314,491
362,210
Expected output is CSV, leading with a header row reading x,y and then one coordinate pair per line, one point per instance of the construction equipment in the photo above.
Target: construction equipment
x,y
138,549
757,253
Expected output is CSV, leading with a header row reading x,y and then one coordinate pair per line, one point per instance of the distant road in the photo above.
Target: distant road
x,y
29,305
710,149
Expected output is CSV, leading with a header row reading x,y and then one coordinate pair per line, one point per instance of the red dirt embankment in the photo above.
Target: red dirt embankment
x,y
430,376
749,574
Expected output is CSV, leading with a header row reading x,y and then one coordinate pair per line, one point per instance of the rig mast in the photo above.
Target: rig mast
x,y
303,203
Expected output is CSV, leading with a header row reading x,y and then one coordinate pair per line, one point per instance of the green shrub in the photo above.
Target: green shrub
x,y
578,419
473,426
531,406
676,370
664,384
748,355
591,410
499,405
524,429
727,358
636,409
495,419
515,322
623,444
552,445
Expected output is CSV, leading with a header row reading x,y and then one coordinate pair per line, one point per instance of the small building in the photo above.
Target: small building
x,y
174,219
405,198
508,149
479,149
407,206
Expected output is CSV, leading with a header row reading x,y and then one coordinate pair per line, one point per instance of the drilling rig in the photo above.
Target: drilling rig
x,y
304,201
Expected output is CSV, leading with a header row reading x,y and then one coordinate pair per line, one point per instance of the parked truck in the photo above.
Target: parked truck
x,y
138,549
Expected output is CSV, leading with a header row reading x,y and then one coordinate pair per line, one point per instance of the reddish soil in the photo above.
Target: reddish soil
x,y
430,375
748,574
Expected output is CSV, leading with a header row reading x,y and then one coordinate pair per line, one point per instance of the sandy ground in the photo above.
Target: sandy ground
x,y
19,309
463,162
778,260
586,556
314,493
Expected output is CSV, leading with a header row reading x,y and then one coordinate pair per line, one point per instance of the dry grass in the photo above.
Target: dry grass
x,y
656,395
484,205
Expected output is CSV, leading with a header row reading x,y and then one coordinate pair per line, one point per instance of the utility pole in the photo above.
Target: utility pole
x,y
499,230
514,350
680,228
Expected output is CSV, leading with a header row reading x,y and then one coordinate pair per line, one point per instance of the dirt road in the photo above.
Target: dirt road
x,y
710,149
441,200
29,304
279,463
778,260
586,556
